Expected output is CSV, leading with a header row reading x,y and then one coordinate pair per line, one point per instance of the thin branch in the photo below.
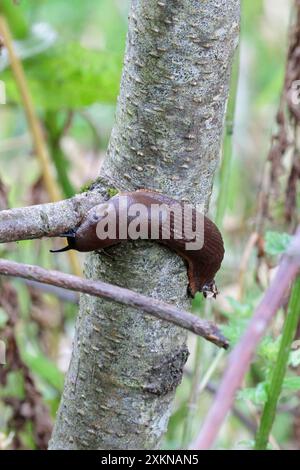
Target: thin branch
x,y
46,220
154,307
241,356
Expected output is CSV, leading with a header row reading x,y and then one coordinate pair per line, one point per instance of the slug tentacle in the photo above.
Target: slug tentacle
x,y
71,243
70,234
66,248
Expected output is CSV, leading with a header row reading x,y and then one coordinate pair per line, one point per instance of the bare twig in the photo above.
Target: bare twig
x,y
154,307
242,354
46,220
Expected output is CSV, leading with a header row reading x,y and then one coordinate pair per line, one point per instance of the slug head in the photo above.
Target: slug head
x,y
210,290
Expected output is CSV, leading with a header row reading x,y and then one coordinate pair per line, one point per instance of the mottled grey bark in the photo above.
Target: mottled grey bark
x,y
125,366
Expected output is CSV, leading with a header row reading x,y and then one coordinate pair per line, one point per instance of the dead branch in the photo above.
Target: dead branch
x,y
158,309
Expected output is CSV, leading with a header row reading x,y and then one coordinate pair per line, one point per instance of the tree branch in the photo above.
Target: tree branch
x,y
241,356
123,296
47,220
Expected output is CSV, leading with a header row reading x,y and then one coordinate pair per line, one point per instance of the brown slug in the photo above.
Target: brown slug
x,y
203,262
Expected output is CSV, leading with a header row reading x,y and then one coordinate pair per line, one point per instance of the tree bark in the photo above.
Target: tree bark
x,y
125,366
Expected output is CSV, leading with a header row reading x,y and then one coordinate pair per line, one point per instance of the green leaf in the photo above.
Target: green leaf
x,y
102,22
237,319
234,329
14,386
38,363
69,76
43,367
242,310
268,349
258,395
197,304
15,18
276,243
291,383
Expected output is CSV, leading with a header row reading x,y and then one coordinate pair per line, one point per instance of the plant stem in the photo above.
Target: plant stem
x,y
227,145
57,155
35,126
210,371
61,166
280,368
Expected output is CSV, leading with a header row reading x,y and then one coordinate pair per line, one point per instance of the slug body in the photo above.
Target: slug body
x,y
203,262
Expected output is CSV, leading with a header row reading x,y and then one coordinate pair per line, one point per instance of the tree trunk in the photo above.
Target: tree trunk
x,y
125,366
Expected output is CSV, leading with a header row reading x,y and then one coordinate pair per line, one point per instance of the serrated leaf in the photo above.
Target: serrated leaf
x,y
276,243
243,310
269,348
69,76
233,330
258,395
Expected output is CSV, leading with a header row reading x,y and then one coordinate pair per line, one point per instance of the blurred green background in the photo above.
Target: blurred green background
x,y
72,53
